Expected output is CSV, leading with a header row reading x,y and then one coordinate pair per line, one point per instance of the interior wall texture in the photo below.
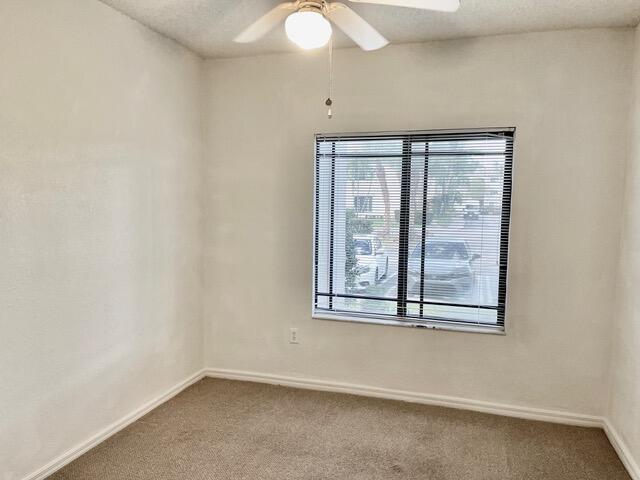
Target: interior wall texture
x,y
104,216
624,408
566,92
100,223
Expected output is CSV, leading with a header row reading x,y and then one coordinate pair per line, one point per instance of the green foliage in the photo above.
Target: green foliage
x,y
360,169
454,182
354,226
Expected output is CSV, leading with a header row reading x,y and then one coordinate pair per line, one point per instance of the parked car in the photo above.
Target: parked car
x,y
447,270
372,260
471,213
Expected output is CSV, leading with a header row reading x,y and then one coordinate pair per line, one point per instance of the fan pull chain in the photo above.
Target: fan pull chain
x,y
329,102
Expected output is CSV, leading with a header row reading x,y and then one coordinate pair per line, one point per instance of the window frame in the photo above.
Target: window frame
x,y
401,320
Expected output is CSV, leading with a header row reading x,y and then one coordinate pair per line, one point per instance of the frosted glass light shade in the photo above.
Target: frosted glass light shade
x,y
308,30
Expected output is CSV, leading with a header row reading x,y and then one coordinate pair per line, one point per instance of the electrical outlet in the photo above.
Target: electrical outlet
x,y
293,335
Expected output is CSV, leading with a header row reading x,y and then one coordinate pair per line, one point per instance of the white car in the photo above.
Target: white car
x,y
372,260
448,269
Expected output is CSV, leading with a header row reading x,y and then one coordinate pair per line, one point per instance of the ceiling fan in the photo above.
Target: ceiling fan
x,y
308,22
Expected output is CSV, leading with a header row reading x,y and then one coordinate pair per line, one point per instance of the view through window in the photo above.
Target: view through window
x,y
413,226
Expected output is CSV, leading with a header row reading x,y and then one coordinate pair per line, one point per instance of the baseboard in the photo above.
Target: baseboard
x,y
529,413
622,450
112,429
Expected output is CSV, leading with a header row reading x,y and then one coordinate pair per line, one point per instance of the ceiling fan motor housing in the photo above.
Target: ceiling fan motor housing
x,y
312,6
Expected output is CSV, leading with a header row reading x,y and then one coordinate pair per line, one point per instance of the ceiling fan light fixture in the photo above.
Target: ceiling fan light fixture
x,y
308,29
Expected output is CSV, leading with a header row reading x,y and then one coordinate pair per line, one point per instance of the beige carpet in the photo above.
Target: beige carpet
x,y
220,429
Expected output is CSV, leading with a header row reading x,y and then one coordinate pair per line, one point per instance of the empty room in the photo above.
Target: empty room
x,y
363,240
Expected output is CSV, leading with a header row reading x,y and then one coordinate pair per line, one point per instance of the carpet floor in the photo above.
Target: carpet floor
x,y
220,429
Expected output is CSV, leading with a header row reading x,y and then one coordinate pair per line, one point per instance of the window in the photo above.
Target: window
x,y
363,203
412,228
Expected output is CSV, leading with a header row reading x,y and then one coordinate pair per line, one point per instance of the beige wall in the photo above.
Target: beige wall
x,y
624,409
101,229
99,223
566,92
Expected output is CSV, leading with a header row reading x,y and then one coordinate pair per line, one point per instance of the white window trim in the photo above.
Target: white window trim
x,y
373,319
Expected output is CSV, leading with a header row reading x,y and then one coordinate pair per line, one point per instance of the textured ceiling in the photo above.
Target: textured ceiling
x,y
209,26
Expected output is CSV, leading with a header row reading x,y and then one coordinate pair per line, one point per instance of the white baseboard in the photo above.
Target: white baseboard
x,y
529,413
112,429
622,450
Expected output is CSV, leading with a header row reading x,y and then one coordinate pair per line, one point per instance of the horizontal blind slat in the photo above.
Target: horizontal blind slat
x,y
459,273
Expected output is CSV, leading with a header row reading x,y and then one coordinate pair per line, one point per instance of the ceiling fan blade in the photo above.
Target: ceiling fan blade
x,y
437,5
355,26
264,24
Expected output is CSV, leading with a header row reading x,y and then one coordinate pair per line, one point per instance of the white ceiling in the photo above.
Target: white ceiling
x,y
208,26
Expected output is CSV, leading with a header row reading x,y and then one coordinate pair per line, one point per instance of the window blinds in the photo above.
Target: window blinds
x,y
413,226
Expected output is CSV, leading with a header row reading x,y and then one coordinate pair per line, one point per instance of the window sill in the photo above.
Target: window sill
x,y
410,322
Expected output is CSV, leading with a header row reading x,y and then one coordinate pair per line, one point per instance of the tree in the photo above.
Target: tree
x,y
452,183
381,174
361,174
354,226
